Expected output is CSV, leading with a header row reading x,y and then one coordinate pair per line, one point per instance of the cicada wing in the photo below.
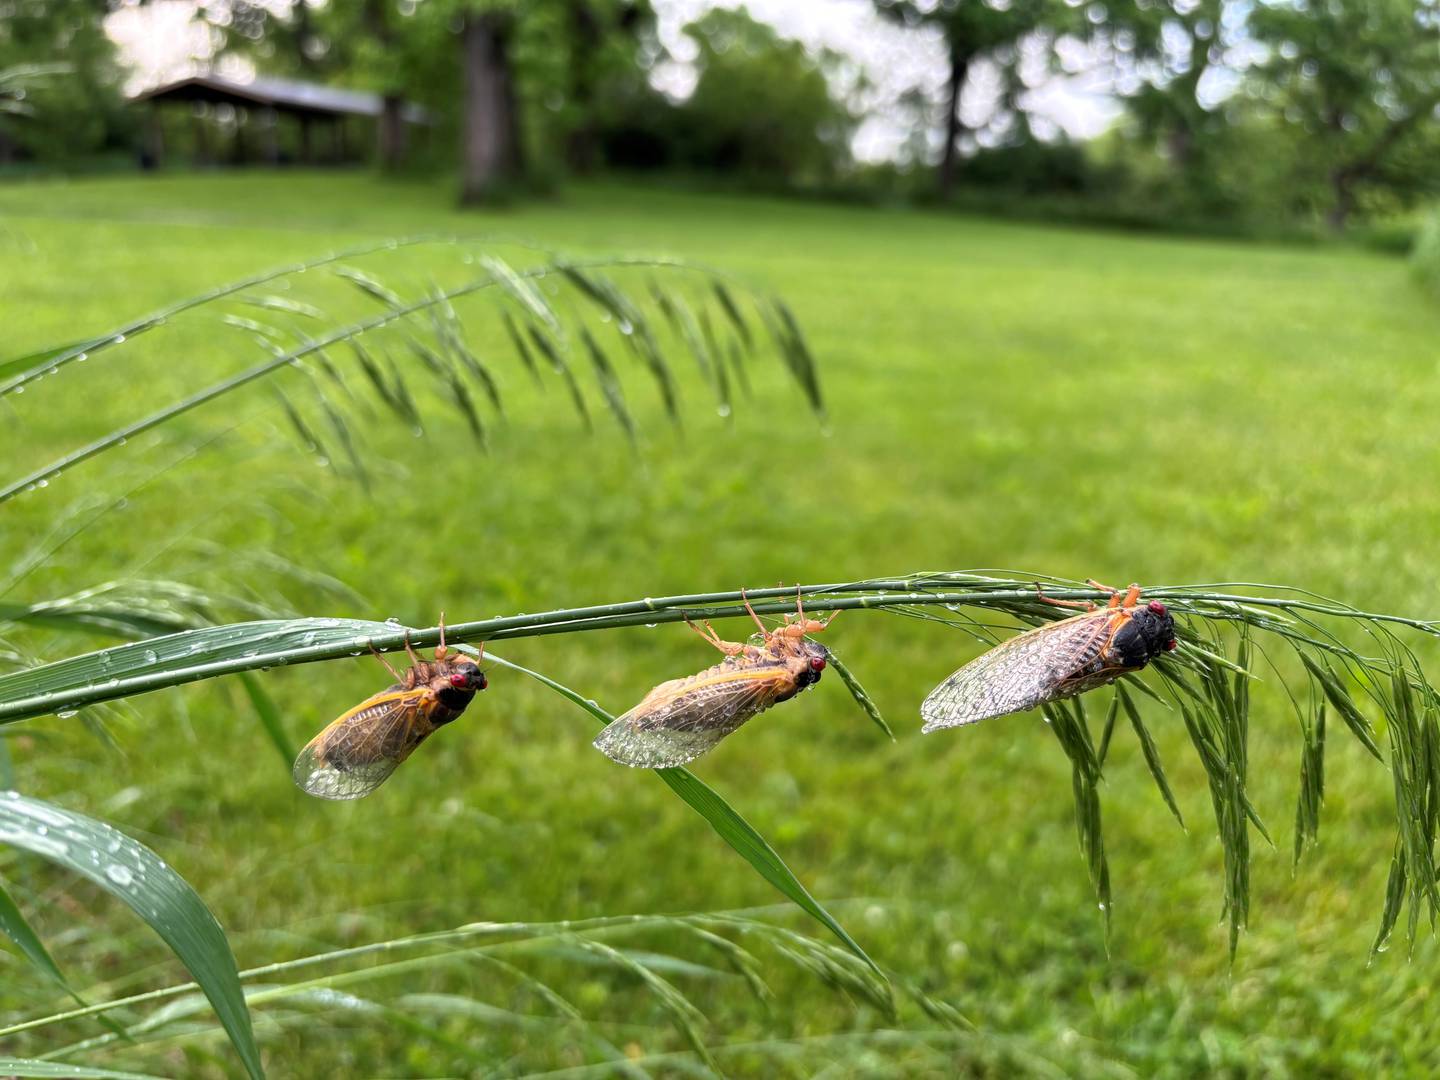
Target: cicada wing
x,y
1018,674
356,753
326,781
678,728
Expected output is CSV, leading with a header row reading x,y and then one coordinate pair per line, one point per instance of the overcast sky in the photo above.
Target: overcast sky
x,y
162,40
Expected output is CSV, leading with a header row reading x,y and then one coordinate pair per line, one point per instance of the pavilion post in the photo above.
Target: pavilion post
x,y
270,135
154,138
201,132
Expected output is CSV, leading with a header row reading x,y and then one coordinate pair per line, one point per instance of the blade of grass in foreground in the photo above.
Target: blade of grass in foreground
x,y
135,875
59,1070
722,817
14,926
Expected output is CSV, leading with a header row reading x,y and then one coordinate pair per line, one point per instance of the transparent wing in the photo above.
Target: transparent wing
x,y
680,727
356,753
1021,673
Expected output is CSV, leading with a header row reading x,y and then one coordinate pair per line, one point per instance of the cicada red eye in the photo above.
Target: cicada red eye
x,y
1171,644
817,663
457,680
1156,608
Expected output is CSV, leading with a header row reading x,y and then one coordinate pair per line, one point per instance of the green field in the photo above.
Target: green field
x,y
1073,402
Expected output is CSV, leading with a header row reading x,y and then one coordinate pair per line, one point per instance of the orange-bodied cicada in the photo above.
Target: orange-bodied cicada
x,y
681,719
1057,660
356,753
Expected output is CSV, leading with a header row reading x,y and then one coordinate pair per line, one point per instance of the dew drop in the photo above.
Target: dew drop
x,y
19,389
65,714
651,625
42,483
82,358
151,656
118,874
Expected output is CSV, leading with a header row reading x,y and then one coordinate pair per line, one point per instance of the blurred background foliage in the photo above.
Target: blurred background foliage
x,y
1274,118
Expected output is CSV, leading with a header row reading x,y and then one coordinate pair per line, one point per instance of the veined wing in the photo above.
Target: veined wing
x,y
669,729
1020,673
357,752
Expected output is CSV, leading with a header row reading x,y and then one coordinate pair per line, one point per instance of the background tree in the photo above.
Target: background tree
x,y
974,30
75,114
1361,78
762,105
1162,54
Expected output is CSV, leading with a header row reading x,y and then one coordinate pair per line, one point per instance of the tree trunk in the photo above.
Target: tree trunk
x,y
1342,188
490,151
1180,146
959,66
304,34
392,132
585,42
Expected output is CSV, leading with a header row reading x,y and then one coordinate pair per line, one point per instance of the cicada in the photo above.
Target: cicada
x,y
681,719
1057,660
356,753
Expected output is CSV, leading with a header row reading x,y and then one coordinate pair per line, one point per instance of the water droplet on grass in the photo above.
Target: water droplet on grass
x,y
120,875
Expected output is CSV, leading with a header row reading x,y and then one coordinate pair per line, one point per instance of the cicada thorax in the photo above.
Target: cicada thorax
x,y
451,685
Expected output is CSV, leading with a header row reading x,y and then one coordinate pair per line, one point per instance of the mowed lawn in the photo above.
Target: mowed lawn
x,y
1076,402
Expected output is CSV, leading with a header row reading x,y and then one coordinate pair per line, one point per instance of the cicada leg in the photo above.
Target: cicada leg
x,y
1118,598
410,651
1083,605
381,657
442,649
763,629
729,648
807,626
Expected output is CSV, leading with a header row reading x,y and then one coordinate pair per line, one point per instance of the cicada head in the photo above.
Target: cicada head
x,y
467,676
1148,632
808,661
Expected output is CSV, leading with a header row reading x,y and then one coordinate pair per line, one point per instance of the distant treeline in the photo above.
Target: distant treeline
x,y
1277,118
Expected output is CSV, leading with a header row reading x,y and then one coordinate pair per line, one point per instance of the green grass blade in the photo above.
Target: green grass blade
x,y
1324,675
724,819
38,359
1151,752
863,699
369,286
58,1070
136,876
754,849
17,928
269,715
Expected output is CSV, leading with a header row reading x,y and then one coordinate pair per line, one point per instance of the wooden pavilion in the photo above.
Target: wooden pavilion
x,y
274,121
